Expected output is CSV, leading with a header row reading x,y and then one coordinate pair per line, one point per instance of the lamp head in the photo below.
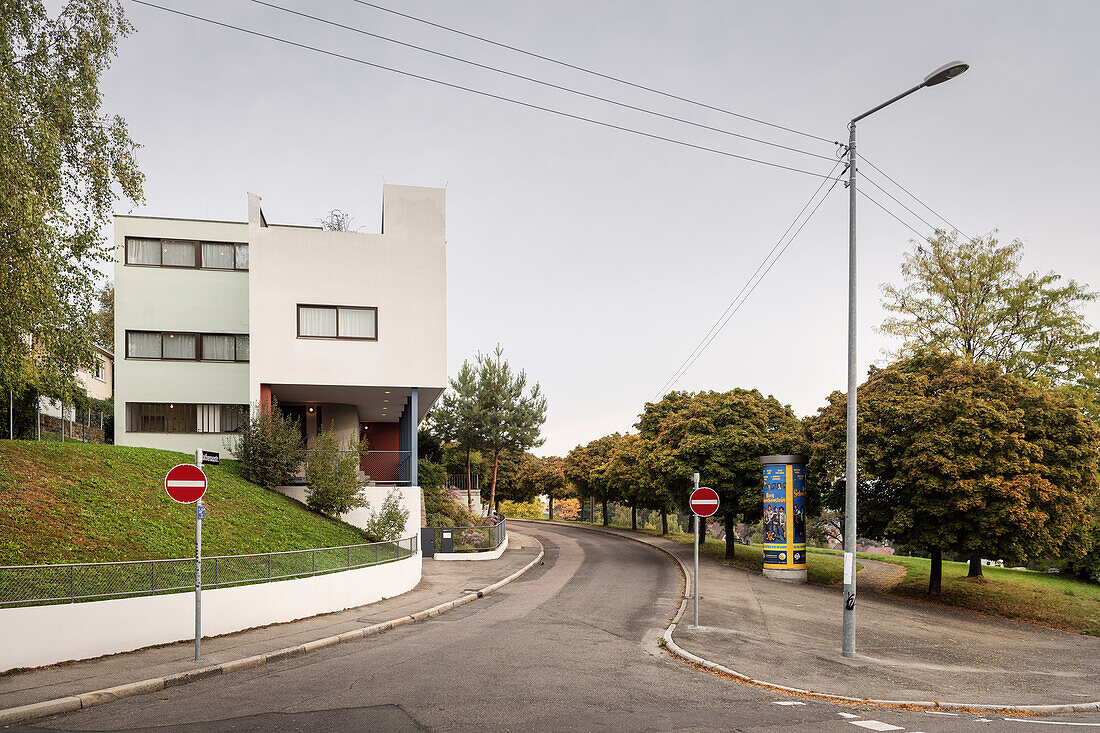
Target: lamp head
x,y
945,72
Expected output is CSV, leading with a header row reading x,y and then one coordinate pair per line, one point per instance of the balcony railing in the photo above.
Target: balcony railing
x,y
386,467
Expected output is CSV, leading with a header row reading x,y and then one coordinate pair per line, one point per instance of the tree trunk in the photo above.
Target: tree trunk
x,y
731,537
550,514
605,512
493,485
469,496
975,565
634,517
936,574
664,521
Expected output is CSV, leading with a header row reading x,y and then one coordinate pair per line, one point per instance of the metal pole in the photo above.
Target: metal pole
x,y
11,414
695,577
198,569
848,646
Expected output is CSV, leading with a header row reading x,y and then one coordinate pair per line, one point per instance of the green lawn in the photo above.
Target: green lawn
x,y
82,502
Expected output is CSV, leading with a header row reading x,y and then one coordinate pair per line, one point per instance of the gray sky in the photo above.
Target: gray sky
x,y
598,259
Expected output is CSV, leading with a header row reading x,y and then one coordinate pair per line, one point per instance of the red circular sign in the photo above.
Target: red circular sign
x,y
185,483
704,501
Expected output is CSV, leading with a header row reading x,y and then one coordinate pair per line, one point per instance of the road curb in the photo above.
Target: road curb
x,y
72,703
679,652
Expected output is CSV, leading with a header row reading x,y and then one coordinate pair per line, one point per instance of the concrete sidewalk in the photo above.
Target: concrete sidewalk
x,y
906,650
442,582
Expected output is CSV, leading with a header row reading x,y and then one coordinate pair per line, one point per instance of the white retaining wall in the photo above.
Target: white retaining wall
x,y
375,495
487,555
38,635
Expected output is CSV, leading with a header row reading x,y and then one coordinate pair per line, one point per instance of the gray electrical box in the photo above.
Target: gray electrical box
x,y
447,540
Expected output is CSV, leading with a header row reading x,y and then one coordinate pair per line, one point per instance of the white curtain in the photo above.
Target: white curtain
x,y
179,346
217,255
317,321
217,347
143,251
242,348
143,345
242,256
178,254
357,323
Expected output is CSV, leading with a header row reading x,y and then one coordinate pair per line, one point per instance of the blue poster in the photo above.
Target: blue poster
x,y
784,516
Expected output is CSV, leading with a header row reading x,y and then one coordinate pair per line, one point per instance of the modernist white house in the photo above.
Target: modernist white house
x,y
345,330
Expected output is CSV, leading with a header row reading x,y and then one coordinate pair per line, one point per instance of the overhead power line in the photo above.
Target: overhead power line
x,y
911,195
867,196
922,220
591,72
734,305
490,95
535,80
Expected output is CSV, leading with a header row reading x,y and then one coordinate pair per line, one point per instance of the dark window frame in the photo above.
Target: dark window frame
x,y
198,254
198,347
170,416
337,308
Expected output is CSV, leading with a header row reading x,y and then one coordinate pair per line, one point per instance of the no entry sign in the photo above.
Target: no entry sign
x,y
185,483
704,501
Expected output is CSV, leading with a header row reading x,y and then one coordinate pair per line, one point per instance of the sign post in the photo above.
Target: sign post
x,y
704,503
186,484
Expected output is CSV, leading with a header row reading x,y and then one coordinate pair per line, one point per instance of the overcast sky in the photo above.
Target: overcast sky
x,y
597,258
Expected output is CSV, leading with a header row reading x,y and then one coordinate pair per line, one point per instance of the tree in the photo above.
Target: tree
x,y
457,419
336,221
960,456
968,298
61,159
722,436
103,319
508,417
545,476
268,447
512,468
585,470
332,475
630,472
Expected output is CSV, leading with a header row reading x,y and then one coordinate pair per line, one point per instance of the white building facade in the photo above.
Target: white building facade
x,y
345,330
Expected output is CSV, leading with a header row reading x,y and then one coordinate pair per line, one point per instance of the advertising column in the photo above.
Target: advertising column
x,y
785,518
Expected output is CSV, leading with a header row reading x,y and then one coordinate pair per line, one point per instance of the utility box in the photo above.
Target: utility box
x,y
785,518
446,540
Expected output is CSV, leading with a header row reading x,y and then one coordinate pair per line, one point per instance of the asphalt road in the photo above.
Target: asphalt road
x,y
572,646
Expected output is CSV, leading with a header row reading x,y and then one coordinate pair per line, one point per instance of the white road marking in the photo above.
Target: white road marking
x,y
847,715
875,725
940,712
787,702
1050,722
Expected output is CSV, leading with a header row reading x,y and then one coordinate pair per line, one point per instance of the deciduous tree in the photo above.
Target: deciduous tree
x,y
585,470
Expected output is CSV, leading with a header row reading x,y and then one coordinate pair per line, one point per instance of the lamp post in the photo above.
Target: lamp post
x,y
940,75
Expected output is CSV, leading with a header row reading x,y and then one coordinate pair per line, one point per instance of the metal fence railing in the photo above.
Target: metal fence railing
x,y
42,584
473,539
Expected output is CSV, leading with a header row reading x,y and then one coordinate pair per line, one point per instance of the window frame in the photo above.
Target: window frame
x,y
138,412
198,347
337,308
197,243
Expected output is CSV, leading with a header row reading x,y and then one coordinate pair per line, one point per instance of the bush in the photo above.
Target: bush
x,y
522,510
444,510
332,476
388,523
268,447
430,474
568,509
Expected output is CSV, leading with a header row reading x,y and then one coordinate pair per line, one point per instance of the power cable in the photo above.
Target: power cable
x,y
911,195
535,80
899,219
723,319
480,92
915,214
582,69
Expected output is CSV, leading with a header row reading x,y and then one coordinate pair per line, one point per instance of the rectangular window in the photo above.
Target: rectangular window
x,y
338,322
242,256
141,251
219,347
242,348
177,254
316,322
217,256
174,417
142,345
99,370
176,345
179,346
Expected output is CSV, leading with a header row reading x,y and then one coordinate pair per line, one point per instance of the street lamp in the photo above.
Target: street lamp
x,y
940,75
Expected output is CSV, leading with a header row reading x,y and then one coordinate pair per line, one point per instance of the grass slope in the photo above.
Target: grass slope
x,y
81,502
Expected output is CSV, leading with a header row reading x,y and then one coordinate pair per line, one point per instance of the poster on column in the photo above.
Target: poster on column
x,y
784,516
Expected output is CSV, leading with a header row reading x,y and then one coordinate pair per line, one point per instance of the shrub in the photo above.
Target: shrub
x,y
569,509
388,523
333,475
522,510
268,446
444,510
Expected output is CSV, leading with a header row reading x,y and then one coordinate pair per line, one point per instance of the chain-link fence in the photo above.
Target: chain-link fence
x,y
26,585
